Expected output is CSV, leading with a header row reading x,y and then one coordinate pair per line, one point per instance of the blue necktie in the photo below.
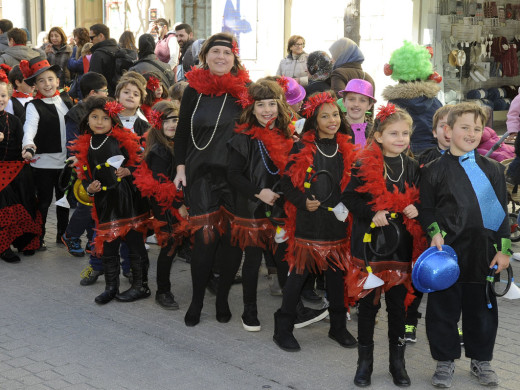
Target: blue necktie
x,y
492,211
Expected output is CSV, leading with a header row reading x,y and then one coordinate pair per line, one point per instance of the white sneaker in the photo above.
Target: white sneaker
x,y
516,256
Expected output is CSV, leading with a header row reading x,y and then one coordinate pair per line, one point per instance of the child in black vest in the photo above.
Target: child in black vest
x,y
44,137
22,93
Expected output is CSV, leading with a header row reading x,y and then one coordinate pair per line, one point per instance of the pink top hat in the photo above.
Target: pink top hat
x,y
362,87
295,92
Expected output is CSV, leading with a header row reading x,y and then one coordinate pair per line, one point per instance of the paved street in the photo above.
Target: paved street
x,y
53,336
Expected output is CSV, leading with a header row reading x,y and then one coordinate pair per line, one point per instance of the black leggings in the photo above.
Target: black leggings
x,y
251,266
295,282
370,305
202,259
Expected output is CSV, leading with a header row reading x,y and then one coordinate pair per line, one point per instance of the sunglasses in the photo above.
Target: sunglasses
x,y
93,36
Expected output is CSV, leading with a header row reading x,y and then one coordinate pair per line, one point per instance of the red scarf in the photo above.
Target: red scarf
x,y
303,160
126,139
206,83
277,144
39,95
372,166
18,94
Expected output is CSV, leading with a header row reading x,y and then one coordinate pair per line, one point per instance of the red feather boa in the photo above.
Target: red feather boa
x,y
127,140
372,166
276,143
164,193
206,83
296,172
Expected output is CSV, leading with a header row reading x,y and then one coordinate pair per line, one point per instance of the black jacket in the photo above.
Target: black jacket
x,y
448,198
103,61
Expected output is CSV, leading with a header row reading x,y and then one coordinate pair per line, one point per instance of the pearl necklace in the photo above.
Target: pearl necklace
x,y
263,150
402,171
100,145
326,155
216,124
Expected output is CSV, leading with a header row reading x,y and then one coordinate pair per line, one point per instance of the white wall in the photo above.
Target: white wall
x,y
384,27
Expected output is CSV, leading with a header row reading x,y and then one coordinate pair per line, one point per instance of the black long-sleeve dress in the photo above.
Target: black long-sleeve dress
x,y
368,192
317,239
119,206
257,159
207,117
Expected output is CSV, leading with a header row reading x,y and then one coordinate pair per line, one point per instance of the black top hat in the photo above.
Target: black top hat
x,y
36,66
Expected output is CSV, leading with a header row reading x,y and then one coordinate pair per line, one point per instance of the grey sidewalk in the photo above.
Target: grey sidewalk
x,y
53,336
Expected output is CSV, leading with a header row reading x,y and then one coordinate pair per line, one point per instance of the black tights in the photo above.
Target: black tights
x,y
295,282
203,257
370,305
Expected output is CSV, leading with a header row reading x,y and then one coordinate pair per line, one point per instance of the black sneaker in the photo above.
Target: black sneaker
x,y
250,318
73,245
309,316
29,252
166,301
410,333
89,276
9,256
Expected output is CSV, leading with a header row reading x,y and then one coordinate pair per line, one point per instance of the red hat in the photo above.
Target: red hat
x,y
36,66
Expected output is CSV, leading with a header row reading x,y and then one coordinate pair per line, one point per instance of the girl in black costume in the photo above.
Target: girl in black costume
x,y
384,181
119,210
257,155
154,178
20,222
207,119
318,241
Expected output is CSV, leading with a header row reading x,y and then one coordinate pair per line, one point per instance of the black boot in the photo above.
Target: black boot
x,y
365,365
111,271
137,290
397,366
338,328
283,332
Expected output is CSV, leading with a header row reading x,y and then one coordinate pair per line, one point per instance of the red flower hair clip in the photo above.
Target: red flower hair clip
x,y
113,108
155,119
234,49
385,112
284,83
4,69
245,100
153,83
315,102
